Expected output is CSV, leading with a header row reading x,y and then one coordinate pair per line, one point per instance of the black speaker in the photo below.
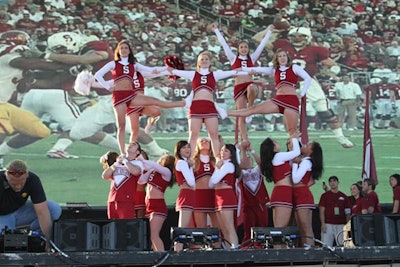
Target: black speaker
x,y
76,235
130,234
385,230
363,230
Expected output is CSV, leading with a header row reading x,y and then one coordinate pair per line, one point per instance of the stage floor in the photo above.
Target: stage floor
x,y
382,256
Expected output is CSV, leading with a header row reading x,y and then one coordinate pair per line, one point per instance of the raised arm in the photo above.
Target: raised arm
x,y
228,51
254,56
286,156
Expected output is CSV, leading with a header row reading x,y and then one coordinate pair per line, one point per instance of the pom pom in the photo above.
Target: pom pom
x,y
174,62
83,82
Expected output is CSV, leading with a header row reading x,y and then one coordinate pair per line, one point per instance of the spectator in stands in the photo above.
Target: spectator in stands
x,y
18,183
371,196
394,181
393,49
334,212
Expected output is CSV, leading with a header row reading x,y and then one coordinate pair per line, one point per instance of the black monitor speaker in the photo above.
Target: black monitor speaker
x,y
76,235
126,235
363,230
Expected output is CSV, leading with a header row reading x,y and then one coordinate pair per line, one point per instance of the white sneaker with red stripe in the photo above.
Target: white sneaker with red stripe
x,y
58,154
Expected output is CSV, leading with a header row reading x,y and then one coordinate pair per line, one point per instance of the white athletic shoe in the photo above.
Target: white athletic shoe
x,y
249,119
150,124
346,143
189,99
58,154
159,153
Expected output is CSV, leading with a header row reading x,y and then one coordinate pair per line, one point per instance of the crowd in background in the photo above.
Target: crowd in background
x,y
362,37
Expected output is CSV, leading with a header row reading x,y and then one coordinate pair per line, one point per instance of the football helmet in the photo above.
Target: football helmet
x,y
15,37
64,42
300,36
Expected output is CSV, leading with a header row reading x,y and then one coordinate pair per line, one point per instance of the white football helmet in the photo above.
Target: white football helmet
x,y
300,36
64,42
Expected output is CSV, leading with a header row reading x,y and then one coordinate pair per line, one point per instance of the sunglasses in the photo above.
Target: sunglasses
x,y
16,173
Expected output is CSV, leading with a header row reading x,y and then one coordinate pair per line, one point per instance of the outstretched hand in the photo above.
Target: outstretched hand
x,y
213,26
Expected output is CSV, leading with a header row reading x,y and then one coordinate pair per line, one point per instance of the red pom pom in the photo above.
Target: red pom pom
x,y
174,62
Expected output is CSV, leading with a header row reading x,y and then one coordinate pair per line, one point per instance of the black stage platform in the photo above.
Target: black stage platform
x,y
251,257
370,234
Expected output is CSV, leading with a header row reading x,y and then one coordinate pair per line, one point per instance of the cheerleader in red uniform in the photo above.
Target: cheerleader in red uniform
x,y
245,90
254,193
124,69
275,166
203,109
158,177
223,180
286,100
204,203
124,174
186,181
305,170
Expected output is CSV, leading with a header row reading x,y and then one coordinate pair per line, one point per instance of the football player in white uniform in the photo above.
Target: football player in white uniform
x,y
24,127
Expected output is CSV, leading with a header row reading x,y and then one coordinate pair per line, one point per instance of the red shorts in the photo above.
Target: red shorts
x,y
139,200
122,96
185,200
303,198
282,196
240,89
202,109
225,199
156,207
121,210
286,102
204,200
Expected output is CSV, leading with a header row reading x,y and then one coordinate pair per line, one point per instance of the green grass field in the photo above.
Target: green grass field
x,y
79,180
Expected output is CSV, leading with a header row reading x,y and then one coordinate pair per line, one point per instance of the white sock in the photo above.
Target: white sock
x,y
110,141
62,144
338,132
5,149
